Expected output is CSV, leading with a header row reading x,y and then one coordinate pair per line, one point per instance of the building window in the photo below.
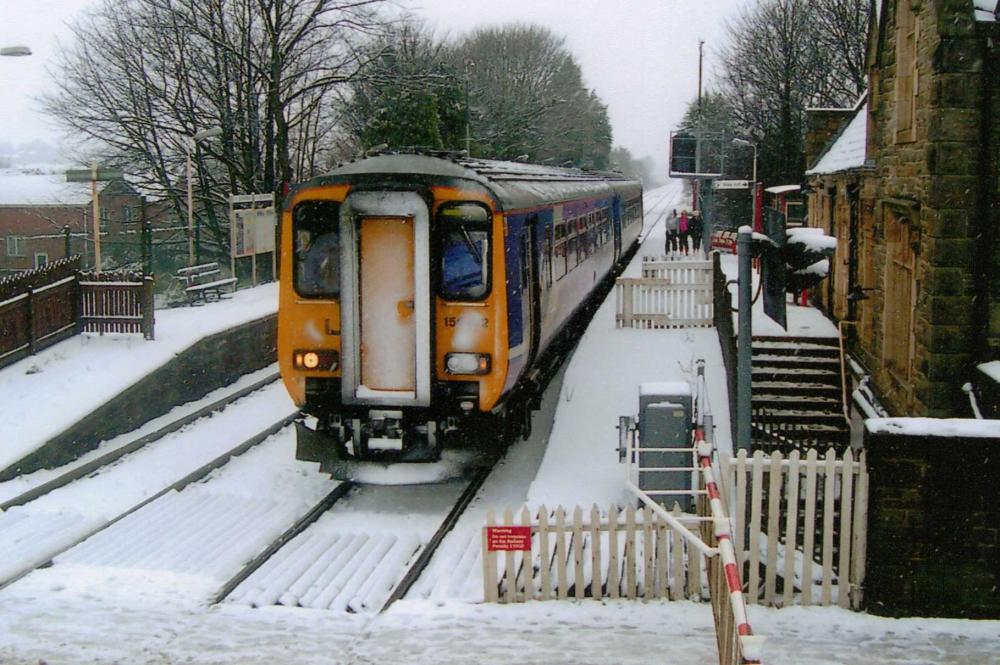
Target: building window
x,y
105,218
41,259
907,33
127,215
15,246
900,287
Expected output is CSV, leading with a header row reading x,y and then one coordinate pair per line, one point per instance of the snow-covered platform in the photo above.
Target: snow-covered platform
x,y
47,393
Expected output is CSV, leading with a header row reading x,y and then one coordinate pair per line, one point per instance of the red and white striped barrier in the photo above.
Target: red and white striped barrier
x,y
750,645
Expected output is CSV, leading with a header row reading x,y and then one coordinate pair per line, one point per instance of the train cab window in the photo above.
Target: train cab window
x,y
316,234
464,251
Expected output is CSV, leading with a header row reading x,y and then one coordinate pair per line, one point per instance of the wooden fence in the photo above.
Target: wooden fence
x,y
803,521
41,307
670,294
621,553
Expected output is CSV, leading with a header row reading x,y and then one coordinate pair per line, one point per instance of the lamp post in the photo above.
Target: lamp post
x,y
15,51
189,145
470,64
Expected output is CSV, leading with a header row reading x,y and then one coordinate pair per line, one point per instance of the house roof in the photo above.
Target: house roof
x,y
41,186
985,10
848,151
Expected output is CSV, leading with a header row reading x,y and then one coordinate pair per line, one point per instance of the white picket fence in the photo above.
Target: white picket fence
x,y
670,294
635,555
816,509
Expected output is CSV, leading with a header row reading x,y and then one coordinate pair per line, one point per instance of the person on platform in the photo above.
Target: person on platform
x,y
696,227
671,229
683,227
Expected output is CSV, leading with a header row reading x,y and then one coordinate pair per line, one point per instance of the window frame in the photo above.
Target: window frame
x,y
15,245
440,226
295,256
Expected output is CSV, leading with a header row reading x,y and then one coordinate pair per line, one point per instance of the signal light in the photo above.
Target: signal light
x,y
325,360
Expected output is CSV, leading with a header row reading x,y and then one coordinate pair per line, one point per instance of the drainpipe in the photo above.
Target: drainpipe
x,y
982,226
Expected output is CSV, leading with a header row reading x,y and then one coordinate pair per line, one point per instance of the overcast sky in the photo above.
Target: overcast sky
x,y
641,56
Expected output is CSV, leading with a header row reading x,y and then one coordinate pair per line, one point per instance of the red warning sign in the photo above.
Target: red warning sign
x,y
506,538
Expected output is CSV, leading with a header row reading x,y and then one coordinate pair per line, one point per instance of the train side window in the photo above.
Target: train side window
x,y
316,234
464,251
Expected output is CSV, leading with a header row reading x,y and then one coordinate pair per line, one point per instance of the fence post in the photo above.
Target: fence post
x,y
67,242
148,320
31,321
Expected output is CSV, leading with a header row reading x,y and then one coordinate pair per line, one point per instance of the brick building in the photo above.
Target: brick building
x,y
915,203
42,216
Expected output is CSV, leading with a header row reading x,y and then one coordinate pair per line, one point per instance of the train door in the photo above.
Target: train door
x,y
387,325
616,225
386,300
530,293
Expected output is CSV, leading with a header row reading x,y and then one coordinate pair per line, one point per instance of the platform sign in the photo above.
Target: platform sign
x,y
508,538
731,184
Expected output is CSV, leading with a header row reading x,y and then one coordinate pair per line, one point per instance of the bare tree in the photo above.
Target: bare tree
x,y
784,56
142,76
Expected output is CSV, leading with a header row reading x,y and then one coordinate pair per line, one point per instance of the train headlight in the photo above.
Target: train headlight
x,y
322,359
468,363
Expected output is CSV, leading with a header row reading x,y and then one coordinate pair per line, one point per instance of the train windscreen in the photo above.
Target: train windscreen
x,y
464,230
316,233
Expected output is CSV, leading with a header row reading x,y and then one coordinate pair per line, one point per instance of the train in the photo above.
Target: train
x,y
426,298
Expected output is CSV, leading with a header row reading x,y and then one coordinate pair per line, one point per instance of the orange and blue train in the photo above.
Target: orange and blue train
x,y
426,298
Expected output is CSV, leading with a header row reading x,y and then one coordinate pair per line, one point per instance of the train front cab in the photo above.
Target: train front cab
x,y
391,327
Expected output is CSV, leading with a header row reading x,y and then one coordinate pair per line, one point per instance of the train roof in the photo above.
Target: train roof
x,y
514,185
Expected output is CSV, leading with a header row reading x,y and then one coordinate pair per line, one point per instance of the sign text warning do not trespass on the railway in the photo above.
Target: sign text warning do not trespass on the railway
x,y
507,538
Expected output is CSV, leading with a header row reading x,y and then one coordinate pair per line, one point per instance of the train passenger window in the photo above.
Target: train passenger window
x,y
464,251
316,234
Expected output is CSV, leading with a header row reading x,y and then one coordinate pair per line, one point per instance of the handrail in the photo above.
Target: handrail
x,y
843,367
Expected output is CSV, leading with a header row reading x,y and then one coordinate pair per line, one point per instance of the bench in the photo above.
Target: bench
x,y
202,283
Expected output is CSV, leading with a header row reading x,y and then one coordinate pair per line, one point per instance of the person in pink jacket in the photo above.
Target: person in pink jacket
x,y
683,226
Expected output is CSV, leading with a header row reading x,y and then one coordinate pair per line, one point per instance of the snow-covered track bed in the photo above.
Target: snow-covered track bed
x,y
76,471
365,553
34,534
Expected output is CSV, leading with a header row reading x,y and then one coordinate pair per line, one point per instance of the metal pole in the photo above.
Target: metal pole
x,y
190,197
744,370
96,211
67,242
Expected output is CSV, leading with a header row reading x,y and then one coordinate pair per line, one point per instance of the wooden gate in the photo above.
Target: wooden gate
x,y
803,520
670,294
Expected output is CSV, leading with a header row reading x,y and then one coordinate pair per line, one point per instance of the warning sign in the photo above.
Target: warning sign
x,y
506,538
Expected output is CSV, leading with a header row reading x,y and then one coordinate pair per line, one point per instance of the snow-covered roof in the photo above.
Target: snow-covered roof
x,y
41,186
783,189
985,10
848,151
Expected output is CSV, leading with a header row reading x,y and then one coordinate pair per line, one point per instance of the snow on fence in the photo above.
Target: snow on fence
x,y
815,508
634,552
670,294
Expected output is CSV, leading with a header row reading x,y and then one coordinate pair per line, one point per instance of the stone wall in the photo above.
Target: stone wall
x,y
933,526
935,180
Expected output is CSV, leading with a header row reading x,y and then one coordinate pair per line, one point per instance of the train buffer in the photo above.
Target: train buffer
x,y
202,283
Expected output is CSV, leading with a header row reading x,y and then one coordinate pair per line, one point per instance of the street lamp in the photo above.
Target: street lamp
x,y
15,51
189,145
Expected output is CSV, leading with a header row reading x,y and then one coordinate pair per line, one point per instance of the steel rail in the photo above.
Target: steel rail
x,y
86,469
192,477
418,567
298,527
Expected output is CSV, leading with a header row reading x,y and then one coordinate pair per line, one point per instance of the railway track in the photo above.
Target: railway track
x,y
78,471
34,532
355,556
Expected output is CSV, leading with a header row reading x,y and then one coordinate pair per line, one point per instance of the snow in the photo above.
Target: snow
x,y
943,427
47,392
664,388
991,369
814,239
147,605
985,10
848,151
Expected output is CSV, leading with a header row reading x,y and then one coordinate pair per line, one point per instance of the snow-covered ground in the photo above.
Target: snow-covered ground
x,y
148,606
45,393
